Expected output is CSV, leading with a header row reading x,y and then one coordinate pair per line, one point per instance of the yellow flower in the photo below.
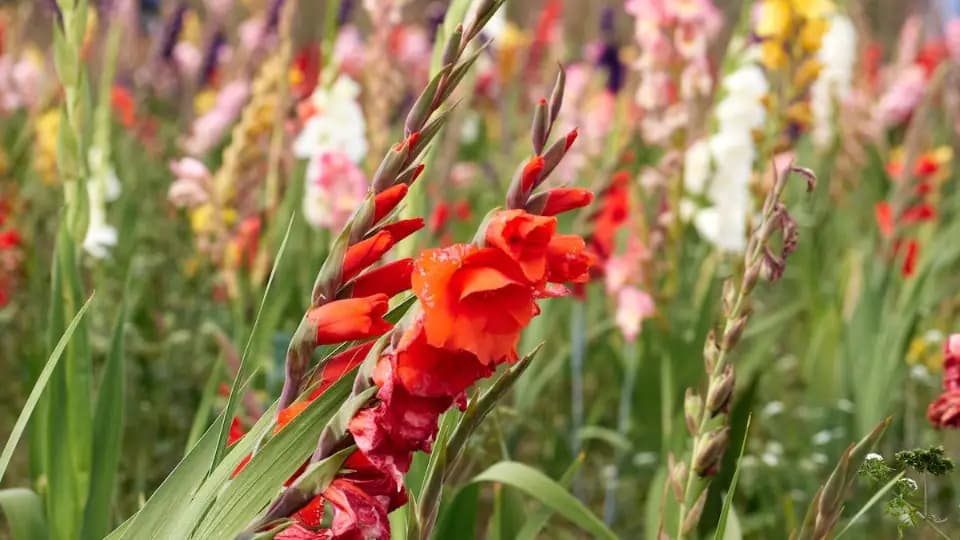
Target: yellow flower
x,y
807,73
45,149
772,55
811,35
200,218
775,19
204,101
813,9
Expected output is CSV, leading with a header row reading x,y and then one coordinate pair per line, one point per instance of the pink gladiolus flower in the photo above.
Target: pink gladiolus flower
x,y
633,306
192,184
209,128
335,186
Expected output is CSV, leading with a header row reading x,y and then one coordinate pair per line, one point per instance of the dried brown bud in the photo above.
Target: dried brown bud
x,y
677,471
693,515
729,298
720,391
808,175
710,450
539,130
732,336
750,277
556,96
692,410
711,350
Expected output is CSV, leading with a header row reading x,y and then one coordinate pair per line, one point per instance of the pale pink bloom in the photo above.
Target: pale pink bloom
x,y
335,186
188,58
192,183
20,82
909,41
208,129
952,37
348,51
633,306
251,33
696,80
951,346
903,96
218,8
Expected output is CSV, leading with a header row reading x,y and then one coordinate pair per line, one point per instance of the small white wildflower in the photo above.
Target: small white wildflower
x,y
821,438
933,336
645,459
770,459
845,405
919,372
819,458
773,408
909,483
873,456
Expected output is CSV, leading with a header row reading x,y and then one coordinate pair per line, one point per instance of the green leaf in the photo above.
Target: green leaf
x,y
246,495
541,487
24,512
246,369
539,519
37,390
459,518
107,437
871,503
721,533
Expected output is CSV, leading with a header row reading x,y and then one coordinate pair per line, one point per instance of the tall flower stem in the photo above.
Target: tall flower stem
x,y
631,361
577,352
707,418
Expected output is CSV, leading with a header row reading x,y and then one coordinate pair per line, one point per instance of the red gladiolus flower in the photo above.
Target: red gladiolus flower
x,y
562,200
427,371
524,238
910,258
403,228
613,213
124,105
568,260
350,319
531,173
472,300
387,200
9,238
439,217
884,216
918,213
945,410
366,252
390,279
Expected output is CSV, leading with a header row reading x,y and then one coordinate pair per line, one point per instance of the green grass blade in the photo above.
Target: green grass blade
x,y
247,494
536,522
37,390
108,422
870,504
547,491
24,511
246,369
728,500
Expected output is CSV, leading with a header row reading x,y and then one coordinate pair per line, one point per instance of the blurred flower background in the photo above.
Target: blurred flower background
x,y
170,150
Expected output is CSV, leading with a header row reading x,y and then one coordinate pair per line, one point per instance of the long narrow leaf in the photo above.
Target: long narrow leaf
x,y
871,503
549,492
37,390
245,369
24,511
728,501
107,436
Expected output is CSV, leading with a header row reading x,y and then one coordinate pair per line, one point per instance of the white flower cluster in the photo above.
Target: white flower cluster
x,y
720,167
336,127
837,56
102,186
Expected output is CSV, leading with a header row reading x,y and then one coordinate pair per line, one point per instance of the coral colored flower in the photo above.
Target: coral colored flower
x,y
124,105
401,229
350,319
884,216
365,252
389,279
524,238
910,258
428,371
473,299
387,200
614,207
531,173
568,260
562,200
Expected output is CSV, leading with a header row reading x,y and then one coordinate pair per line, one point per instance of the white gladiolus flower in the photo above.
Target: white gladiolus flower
x,y
102,186
337,126
721,166
837,55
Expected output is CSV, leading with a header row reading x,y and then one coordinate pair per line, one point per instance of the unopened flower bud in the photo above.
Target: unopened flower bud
x,y
710,452
692,410
832,495
452,50
556,96
362,220
721,390
386,173
540,129
750,277
424,105
729,297
677,471
711,351
693,515
732,336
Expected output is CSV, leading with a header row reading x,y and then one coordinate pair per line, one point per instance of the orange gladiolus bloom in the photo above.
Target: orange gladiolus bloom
x,y
350,319
390,279
473,300
562,200
366,252
524,238
403,228
431,372
568,259
387,200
